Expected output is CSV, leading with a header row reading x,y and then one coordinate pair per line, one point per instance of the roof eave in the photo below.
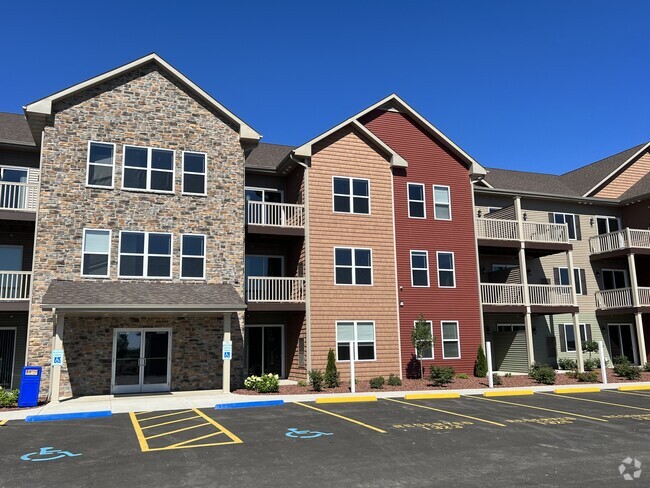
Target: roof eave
x,y
546,196
146,307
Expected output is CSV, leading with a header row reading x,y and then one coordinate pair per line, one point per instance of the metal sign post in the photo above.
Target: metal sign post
x,y
603,368
352,358
488,354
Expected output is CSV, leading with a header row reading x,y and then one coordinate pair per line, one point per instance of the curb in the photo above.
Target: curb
x,y
263,403
68,416
589,389
430,396
634,388
498,393
356,399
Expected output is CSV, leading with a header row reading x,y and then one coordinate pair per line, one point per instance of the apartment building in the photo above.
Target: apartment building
x,y
146,232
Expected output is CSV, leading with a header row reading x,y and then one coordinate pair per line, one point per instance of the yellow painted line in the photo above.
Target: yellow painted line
x,y
601,402
571,414
236,440
633,387
161,416
566,391
173,446
447,412
500,393
356,399
194,445
170,422
144,447
177,430
629,393
341,417
3,422
430,396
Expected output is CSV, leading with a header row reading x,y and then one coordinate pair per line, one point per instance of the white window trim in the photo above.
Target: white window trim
x,y
504,327
626,277
583,327
265,189
442,335
426,254
351,196
264,256
148,169
202,277
423,201
433,352
354,266
453,269
433,197
575,228
204,174
145,257
608,217
88,163
356,342
83,253
577,279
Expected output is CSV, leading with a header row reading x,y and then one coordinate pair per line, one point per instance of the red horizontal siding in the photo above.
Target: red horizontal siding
x,y
429,163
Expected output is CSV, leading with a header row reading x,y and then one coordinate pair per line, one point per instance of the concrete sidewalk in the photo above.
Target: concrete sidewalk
x,y
209,398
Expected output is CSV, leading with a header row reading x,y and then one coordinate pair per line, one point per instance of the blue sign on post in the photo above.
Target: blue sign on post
x,y
30,384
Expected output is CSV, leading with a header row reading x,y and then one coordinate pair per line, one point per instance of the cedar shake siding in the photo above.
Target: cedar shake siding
x,y
345,153
430,164
627,178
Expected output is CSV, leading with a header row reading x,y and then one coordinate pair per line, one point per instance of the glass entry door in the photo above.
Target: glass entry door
x,y
622,341
264,349
141,360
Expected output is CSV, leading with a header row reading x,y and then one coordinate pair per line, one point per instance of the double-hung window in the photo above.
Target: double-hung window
x,y
145,255
146,168
96,253
351,195
446,270
417,208
577,278
570,338
427,349
450,340
194,173
362,335
193,256
420,268
569,220
352,266
441,202
101,158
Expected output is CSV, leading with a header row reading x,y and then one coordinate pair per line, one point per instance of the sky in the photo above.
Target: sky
x,y
533,85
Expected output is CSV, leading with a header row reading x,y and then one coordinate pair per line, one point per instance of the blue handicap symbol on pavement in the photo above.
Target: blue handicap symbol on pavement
x,y
305,434
47,451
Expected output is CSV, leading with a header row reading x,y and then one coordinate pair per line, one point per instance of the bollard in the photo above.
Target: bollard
x,y
603,368
488,355
353,386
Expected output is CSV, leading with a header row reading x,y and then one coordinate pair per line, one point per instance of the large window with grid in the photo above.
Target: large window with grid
x,y
352,266
145,255
351,195
147,168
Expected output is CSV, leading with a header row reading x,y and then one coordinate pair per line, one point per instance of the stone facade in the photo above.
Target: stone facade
x,y
143,107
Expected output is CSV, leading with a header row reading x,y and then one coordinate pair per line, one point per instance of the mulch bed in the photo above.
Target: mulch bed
x,y
458,384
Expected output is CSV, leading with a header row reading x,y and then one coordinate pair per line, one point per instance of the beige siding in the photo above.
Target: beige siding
x,y
346,154
624,181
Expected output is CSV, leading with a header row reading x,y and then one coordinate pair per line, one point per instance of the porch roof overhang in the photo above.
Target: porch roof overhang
x,y
141,298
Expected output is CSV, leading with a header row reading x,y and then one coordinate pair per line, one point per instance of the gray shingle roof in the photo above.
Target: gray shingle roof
x,y
267,156
14,129
505,179
122,296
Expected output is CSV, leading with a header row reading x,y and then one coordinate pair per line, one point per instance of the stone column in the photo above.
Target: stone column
x,y
226,362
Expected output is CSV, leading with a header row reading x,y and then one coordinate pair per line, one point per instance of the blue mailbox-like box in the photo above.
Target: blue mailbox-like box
x,y
30,384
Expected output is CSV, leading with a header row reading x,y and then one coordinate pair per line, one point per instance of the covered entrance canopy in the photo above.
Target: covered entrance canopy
x,y
139,299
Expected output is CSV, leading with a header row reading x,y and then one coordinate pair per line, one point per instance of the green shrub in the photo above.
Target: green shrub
x,y
377,382
646,367
496,379
302,383
250,382
620,360
332,379
542,373
462,376
267,383
394,380
591,363
627,371
8,398
567,363
589,377
508,375
316,379
440,375
480,366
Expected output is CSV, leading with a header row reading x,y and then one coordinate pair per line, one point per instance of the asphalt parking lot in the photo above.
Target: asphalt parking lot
x,y
539,440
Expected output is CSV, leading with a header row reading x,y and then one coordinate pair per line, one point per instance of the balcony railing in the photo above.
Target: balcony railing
x,y
513,294
15,285
275,214
274,289
617,298
621,239
508,230
18,196
644,296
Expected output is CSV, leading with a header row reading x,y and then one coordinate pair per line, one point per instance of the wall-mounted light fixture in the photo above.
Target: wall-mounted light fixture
x,y
401,304
480,213
525,216
591,221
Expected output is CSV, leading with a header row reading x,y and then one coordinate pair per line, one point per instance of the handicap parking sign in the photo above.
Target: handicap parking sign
x,y
226,350
57,357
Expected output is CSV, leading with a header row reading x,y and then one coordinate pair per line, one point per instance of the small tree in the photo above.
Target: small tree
x,y
480,366
331,373
421,339
590,347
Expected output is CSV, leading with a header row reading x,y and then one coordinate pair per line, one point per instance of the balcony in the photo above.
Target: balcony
x,y
510,297
15,287
509,233
620,242
275,218
275,293
20,197
622,298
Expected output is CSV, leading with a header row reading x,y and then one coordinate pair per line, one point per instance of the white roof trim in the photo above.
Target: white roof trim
x,y
475,167
44,105
600,183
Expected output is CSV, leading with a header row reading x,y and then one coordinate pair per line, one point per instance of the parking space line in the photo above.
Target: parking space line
x,y
192,440
536,408
177,430
170,422
645,395
446,411
600,401
161,416
3,422
376,429
144,447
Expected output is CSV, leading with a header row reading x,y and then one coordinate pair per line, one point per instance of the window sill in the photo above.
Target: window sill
x,y
140,190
